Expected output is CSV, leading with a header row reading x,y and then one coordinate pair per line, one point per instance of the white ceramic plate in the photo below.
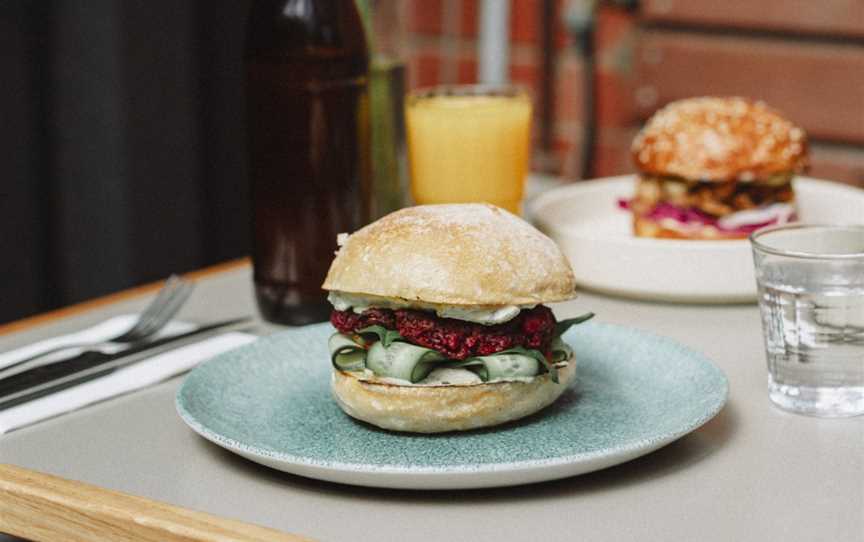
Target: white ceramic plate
x,y
270,402
584,219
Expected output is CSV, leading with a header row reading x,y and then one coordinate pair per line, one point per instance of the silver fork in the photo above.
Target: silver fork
x,y
156,316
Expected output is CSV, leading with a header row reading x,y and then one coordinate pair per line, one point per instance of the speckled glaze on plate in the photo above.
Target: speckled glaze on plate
x,y
270,402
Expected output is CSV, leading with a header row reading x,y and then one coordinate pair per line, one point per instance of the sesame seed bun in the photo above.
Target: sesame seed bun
x,y
468,254
719,139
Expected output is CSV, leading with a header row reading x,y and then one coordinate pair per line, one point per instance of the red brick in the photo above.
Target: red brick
x,y
424,70
564,145
613,25
614,99
567,152
526,23
467,71
563,38
612,151
569,89
524,20
831,17
525,74
609,161
551,161
424,16
817,85
838,163
468,21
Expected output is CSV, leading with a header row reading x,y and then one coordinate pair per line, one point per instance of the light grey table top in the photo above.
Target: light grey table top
x,y
752,473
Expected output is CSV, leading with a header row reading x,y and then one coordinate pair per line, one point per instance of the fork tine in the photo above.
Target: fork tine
x,y
152,312
170,309
164,295
158,320
154,317
171,283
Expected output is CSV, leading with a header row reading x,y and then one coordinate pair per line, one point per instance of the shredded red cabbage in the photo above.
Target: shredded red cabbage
x,y
694,217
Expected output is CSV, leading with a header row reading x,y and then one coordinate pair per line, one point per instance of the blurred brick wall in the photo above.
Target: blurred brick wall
x,y
803,57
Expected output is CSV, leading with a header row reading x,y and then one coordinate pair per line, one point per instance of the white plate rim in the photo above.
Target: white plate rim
x,y
553,194
619,250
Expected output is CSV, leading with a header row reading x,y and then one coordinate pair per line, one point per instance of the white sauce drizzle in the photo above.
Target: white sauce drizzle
x,y
342,301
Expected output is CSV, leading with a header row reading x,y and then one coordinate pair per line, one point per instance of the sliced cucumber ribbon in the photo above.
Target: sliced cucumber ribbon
x,y
345,354
386,336
561,351
414,363
390,356
402,360
499,366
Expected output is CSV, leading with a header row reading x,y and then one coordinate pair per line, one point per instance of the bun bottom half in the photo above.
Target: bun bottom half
x,y
644,227
437,409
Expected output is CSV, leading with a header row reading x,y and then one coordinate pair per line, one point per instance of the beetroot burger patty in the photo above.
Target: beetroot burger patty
x,y
456,339
349,321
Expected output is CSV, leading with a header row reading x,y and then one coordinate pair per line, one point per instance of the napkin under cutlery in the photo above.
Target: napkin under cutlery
x,y
139,375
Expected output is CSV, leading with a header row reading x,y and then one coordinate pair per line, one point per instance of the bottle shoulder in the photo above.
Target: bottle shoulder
x,y
315,65
319,29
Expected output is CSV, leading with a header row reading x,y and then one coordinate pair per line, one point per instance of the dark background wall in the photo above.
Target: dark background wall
x,y
121,121
121,145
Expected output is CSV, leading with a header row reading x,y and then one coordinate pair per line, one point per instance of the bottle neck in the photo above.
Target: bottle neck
x,y
330,29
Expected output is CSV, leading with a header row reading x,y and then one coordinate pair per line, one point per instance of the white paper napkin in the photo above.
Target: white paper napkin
x,y
100,332
139,375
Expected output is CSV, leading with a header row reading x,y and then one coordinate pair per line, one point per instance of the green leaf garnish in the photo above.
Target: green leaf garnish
x,y
562,326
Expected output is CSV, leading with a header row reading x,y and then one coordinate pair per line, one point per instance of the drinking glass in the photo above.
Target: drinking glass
x,y
810,281
469,143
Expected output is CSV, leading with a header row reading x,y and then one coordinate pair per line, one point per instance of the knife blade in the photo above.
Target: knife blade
x,y
45,379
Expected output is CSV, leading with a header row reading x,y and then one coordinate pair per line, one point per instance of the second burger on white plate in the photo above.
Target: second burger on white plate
x,y
585,220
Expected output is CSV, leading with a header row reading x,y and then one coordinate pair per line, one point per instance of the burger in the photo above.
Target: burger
x,y
441,322
715,168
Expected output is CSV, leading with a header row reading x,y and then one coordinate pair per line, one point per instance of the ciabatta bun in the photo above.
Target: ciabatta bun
x,y
436,409
455,254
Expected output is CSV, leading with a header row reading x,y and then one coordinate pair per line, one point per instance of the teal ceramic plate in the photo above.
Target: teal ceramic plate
x,y
270,402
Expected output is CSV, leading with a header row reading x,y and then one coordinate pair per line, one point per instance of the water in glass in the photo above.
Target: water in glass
x,y
813,321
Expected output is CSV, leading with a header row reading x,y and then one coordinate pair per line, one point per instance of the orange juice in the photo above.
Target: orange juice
x,y
469,147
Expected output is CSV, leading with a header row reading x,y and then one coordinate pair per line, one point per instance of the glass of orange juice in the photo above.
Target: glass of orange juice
x,y
469,143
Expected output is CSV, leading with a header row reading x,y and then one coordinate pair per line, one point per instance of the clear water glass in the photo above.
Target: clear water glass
x,y
810,281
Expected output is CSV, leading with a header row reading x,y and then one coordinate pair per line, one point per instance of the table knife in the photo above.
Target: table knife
x,y
52,377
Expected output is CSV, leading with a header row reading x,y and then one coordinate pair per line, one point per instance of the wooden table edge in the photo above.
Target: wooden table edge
x,y
123,295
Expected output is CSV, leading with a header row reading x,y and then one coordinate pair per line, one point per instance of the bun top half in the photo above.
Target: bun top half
x,y
452,254
719,139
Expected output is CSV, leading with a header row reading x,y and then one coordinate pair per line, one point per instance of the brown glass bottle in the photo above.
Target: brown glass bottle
x,y
306,77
